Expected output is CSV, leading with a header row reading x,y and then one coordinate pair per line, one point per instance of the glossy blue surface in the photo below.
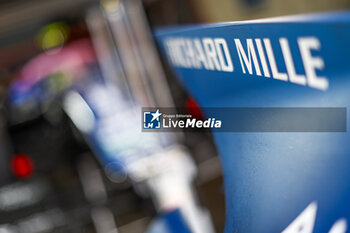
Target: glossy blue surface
x,y
270,178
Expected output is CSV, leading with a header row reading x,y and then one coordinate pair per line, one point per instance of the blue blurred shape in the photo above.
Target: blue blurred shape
x,y
170,222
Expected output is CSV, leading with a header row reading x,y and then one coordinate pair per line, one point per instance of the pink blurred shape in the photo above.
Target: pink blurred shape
x,y
72,58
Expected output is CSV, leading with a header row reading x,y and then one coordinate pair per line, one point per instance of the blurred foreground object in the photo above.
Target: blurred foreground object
x,y
134,70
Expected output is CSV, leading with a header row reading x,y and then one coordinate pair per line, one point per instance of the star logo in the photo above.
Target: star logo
x,y
156,115
151,120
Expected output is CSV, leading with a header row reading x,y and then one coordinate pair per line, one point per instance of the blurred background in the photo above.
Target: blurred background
x,y
73,78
